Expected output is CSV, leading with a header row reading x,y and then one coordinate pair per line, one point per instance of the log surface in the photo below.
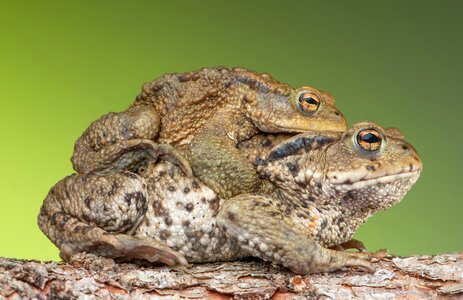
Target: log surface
x,y
91,277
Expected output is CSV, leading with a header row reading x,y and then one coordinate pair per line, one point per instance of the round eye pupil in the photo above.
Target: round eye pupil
x,y
370,138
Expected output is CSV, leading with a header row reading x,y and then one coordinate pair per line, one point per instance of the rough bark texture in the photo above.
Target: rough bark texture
x,y
88,277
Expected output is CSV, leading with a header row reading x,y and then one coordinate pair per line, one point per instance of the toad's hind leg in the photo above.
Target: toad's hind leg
x,y
97,214
261,228
123,141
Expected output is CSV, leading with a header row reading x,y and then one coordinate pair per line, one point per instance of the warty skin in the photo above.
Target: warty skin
x,y
323,186
204,114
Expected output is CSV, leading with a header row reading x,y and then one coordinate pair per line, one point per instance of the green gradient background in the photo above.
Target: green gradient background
x,y
397,63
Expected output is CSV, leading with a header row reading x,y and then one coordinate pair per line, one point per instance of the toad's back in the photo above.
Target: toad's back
x,y
186,101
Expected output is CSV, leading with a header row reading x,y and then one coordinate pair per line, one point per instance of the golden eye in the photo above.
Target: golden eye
x,y
308,102
369,139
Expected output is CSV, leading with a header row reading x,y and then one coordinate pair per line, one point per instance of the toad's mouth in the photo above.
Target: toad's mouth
x,y
300,127
380,179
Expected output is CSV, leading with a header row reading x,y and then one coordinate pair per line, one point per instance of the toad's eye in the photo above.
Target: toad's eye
x,y
308,102
369,139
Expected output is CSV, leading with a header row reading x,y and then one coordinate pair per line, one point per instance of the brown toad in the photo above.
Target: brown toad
x,y
326,185
204,114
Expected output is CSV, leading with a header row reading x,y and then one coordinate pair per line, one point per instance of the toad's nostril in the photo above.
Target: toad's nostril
x,y
404,147
336,113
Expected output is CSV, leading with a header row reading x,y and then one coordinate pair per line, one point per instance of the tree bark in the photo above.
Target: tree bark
x,y
88,277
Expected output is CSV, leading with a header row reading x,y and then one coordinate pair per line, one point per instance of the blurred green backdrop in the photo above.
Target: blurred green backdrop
x,y
399,63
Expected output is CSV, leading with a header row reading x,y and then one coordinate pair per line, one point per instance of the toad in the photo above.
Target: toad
x,y
204,114
325,186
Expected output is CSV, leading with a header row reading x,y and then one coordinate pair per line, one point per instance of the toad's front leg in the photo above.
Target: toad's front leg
x,y
217,162
123,141
262,229
97,214
219,165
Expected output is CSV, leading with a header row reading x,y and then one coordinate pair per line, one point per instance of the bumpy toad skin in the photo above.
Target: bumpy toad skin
x,y
326,185
204,114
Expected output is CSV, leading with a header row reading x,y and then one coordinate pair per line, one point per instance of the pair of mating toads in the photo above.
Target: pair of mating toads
x,y
249,166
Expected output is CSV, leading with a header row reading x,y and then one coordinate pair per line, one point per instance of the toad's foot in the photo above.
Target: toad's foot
x,y
381,253
134,155
265,231
352,244
126,248
97,214
358,245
